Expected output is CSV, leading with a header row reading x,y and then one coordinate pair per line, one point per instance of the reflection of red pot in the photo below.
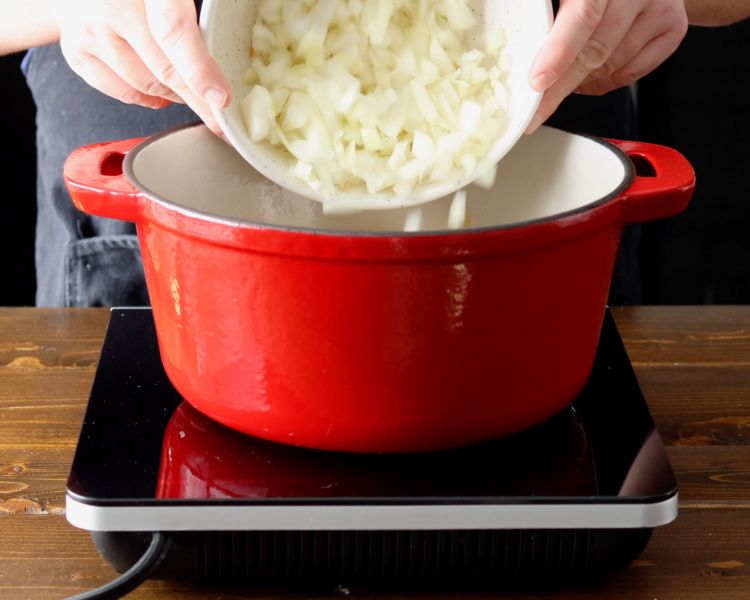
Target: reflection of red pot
x,y
339,332
201,459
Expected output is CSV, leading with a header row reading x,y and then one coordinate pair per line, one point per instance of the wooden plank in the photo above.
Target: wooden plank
x,y
704,554
66,324
679,335
33,481
714,476
699,406
33,338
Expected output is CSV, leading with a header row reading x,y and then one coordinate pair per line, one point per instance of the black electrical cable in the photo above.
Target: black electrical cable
x,y
135,575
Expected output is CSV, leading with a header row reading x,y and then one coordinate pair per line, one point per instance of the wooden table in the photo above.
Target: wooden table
x,y
693,364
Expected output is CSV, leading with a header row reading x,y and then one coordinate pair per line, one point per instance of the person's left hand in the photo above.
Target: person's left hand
x,y
146,52
596,46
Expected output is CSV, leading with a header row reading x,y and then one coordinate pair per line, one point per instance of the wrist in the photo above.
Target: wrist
x,y
716,13
32,25
48,14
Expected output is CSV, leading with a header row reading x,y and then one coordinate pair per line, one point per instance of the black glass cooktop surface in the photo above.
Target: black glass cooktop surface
x,y
141,444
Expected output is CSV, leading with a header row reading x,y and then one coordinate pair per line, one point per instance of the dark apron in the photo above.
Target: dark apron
x,y
89,261
83,260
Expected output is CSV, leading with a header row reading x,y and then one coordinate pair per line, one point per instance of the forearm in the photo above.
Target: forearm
x,y
714,13
27,23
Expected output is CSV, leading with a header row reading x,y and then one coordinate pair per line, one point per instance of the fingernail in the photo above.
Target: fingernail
x,y
216,98
542,81
157,103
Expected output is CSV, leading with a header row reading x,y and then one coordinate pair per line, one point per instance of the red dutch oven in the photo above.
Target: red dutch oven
x,y
342,331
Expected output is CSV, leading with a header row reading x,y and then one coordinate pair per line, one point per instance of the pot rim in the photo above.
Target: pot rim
x,y
129,172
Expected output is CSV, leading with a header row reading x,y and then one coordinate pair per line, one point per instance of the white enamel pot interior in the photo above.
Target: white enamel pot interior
x,y
546,175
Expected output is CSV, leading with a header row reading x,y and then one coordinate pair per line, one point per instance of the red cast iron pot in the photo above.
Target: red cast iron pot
x,y
342,332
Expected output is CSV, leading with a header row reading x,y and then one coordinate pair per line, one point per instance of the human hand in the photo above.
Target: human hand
x,y
146,52
596,46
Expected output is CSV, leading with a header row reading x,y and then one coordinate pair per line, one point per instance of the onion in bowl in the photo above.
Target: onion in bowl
x,y
375,94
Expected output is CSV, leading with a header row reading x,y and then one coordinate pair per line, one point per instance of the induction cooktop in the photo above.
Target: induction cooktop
x,y
577,495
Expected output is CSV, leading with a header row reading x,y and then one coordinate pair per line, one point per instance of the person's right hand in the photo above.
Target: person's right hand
x,y
147,52
596,46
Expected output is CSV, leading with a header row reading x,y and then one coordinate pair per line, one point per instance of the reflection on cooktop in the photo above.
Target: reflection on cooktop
x,y
202,459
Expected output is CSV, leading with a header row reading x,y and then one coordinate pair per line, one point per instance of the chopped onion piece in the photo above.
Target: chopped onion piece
x,y
413,220
257,112
262,40
413,169
440,57
487,179
471,113
422,99
377,13
356,7
458,13
472,57
371,139
303,170
403,188
494,39
457,212
271,11
398,156
311,43
343,90
251,77
296,114
468,163
422,147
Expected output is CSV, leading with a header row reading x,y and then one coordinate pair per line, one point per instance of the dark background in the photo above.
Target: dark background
x,y
17,174
697,102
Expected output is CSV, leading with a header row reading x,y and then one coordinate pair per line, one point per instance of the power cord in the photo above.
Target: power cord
x,y
135,575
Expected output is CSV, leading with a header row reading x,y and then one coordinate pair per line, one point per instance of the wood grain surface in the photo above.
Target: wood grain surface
x,y
693,364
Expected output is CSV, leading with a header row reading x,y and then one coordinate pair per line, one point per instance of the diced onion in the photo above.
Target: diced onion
x,y
457,212
494,39
376,95
413,220
303,170
487,179
257,110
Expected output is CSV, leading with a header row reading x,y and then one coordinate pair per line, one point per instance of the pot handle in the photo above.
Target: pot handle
x,y
97,184
664,182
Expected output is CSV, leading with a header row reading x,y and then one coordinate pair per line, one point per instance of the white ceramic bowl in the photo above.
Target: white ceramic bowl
x,y
226,26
